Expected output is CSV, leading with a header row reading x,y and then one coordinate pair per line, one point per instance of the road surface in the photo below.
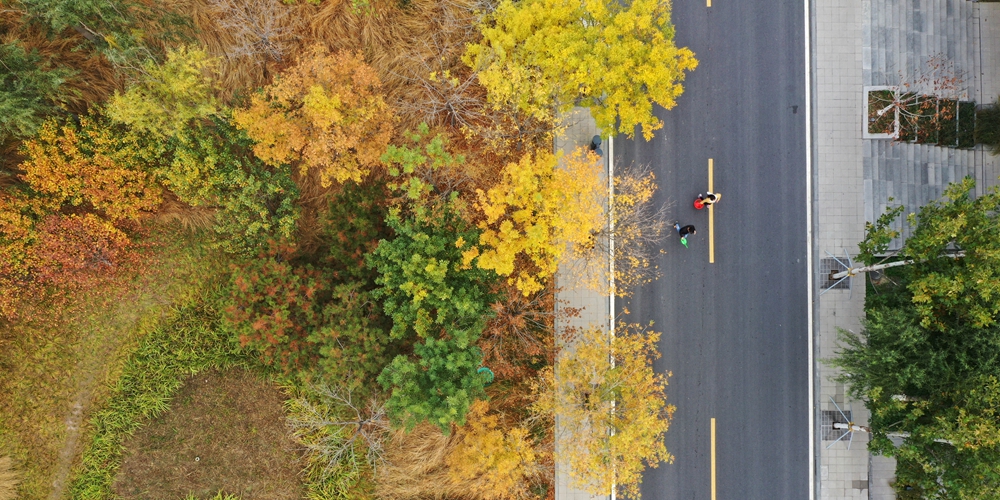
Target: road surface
x,y
734,331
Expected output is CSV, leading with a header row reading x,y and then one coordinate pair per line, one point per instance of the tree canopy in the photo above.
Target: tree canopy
x,y
617,58
613,416
927,360
437,297
326,112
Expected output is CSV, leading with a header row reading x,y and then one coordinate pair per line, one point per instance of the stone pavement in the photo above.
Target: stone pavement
x,y
838,218
860,43
595,308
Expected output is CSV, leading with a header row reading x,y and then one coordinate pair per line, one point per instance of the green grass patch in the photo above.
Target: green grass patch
x,y
926,112
62,357
191,339
947,122
988,128
966,124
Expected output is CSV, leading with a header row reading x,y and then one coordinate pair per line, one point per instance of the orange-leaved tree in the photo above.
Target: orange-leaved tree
x,y
326,112
493,461
612,416
536,211
83,188
93,166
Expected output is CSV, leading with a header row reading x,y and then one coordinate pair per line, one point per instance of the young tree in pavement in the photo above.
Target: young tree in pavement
x,y
953,254
617,58
613,416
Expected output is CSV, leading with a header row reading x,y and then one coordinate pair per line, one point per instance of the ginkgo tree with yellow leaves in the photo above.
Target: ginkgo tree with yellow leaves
x,y
610,405
616,57
536,212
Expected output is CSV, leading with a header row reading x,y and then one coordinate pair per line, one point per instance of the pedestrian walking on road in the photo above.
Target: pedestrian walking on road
x,y
703,201
684,232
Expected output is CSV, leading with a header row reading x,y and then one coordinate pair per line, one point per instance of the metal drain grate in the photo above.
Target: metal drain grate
x,y
826,266
831,417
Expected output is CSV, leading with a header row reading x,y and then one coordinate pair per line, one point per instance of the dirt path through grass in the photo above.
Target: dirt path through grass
x,y
109,328
56,369
104,335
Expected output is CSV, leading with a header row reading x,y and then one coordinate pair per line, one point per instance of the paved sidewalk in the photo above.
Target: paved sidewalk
x,y
838,198
595,308
859,43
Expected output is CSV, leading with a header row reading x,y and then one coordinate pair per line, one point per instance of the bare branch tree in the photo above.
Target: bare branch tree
x,y
334,426
639,229
918,94
260,27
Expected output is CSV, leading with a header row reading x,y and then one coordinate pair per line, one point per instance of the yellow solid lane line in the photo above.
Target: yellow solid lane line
x,y
713,456
711,217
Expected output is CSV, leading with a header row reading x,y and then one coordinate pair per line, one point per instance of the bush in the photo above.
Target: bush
x,y
213,166
30,89
988,128
296,317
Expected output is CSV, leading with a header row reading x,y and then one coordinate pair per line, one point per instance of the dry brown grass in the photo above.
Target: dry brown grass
x,y
224,431
9,479
94,80
416,466
403,44
174,211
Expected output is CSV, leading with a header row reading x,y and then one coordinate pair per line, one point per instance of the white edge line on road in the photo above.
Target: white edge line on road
x,y
809,255
611,261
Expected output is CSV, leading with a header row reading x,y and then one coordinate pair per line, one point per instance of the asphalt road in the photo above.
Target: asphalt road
x,y
734,332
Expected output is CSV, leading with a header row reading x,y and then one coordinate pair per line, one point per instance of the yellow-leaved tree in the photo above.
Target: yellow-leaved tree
x,y
640,227
326,112
536,212
167,97
612,416
494,462
616,57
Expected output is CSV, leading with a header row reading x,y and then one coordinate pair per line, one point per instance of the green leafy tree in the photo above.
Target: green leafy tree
x,y
352,226
422,166
926,362
618,58
30,90
938,392
955,254
167,97
435,296
213,165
